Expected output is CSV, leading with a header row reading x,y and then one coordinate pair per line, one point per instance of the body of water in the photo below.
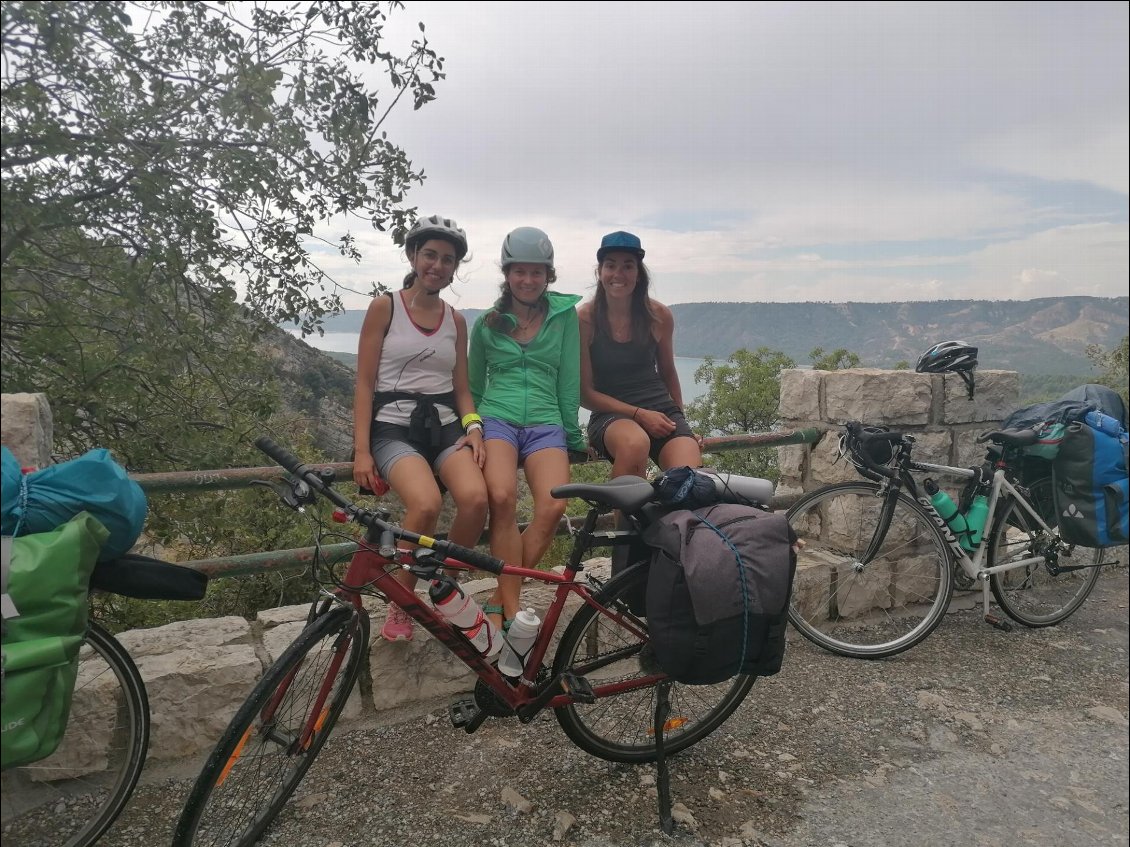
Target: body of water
x,y
346,342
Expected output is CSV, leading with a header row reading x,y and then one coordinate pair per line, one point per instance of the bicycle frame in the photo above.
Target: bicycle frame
x,y
368,569
973,567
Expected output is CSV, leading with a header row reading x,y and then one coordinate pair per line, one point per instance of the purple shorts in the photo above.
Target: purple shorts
x,y
524,439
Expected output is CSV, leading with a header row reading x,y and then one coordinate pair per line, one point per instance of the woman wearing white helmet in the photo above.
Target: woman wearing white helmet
x,y
413,416
524,375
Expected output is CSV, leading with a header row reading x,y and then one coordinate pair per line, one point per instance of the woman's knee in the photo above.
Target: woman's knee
x,y
549,510
472,502
423,509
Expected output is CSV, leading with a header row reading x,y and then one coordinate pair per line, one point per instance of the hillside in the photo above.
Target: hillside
x,y
1044,336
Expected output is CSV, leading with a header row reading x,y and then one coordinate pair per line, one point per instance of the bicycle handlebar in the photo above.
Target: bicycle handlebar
x,y
308,474
856,432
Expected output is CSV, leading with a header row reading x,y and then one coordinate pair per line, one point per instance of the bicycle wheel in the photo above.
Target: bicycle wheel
x,y
1039,595
621,728
264,752
70,798
872,609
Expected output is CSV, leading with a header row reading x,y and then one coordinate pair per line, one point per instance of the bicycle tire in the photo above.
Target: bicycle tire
x,y
872,610
1034,595
622,728
71,798
256,765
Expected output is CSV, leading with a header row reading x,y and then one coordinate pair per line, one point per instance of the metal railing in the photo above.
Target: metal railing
x,y
282,560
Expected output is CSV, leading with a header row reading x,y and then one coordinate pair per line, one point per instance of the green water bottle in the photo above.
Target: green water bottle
x,y
945,507
975,520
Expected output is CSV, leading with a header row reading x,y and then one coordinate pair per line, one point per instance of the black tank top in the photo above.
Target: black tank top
x,y
626,371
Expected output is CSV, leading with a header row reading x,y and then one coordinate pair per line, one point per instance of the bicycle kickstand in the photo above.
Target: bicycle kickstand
x,y
663,776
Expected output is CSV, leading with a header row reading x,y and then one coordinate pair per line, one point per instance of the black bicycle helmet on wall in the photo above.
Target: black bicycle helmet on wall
x,y
950,357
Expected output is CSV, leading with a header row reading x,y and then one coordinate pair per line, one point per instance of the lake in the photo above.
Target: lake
x,y
346,342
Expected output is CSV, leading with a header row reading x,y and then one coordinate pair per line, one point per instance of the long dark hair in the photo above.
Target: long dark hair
x,y
643,318
505,302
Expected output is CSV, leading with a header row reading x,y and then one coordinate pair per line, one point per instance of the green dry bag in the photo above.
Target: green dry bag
x,y
46,582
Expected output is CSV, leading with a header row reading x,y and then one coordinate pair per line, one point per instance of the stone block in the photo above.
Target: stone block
x,y
791,462
935,447
893,398
27,428
997,395
826,466
800,395
202,632
193,695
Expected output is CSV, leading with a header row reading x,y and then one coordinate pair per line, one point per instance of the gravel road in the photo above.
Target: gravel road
x,y
976,737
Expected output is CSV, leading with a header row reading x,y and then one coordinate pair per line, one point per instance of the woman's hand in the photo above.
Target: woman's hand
x,y
655,424
474,440
365,473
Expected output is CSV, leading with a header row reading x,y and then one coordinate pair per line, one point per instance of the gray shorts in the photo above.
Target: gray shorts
x,y
389,443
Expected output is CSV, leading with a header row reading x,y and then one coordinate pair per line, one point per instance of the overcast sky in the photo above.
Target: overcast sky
x,y
779,151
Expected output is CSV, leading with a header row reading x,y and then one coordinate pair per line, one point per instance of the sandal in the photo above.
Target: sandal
x,y
496,609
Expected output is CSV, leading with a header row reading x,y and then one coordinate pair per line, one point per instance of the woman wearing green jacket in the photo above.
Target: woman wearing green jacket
x,y
524,372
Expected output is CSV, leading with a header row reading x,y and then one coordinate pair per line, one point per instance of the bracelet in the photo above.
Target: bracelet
x,y
472,426
636,412
470,419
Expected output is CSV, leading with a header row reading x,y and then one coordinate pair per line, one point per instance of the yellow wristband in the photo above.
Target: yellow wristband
x,y
470,419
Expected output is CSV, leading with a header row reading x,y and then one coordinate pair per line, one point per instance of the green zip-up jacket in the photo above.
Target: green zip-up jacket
x,y
535,385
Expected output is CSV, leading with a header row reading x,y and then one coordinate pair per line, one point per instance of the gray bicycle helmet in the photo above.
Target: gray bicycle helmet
x,y
437,227
527,244
950,357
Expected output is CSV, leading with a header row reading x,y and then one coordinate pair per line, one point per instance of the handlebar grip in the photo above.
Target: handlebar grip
x,y
472,557
280,454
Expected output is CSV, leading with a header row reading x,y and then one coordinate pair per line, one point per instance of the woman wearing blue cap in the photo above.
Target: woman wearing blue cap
x,y
628,376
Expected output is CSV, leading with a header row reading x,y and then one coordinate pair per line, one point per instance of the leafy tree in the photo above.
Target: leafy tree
x,y
743,396
171,171
902,365
208,139
838,359
1114,364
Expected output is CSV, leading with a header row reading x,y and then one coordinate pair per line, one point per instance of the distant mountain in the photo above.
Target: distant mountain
x,y
1045,336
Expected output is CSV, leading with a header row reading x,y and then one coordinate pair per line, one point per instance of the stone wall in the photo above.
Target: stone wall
x,y
199,672
934,407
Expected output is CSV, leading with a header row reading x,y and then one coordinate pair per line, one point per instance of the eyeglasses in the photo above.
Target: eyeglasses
x,y
448,260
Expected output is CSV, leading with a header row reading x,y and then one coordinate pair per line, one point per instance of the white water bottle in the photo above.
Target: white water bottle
x,y
518,641
467,615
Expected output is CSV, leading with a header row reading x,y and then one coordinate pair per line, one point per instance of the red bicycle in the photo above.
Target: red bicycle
x,y
601,685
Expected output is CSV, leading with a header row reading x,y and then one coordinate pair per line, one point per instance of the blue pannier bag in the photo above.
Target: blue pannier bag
x,y
1091,485
44,499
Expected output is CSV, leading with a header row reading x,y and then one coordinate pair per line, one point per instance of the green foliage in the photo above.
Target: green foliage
x,y
1114,364
743,396
158,171
1038,388
902,365
207,146
838,359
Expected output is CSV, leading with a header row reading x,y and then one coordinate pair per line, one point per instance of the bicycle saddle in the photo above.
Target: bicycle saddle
x,y
1010,437
626,493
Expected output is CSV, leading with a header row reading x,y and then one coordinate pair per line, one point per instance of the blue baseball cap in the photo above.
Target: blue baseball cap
x,y
619,240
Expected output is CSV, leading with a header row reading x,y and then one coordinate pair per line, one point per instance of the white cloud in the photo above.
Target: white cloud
x,y
780,151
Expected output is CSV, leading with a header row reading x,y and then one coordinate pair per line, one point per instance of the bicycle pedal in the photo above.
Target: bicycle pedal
x,y
998,622
464,712
578,688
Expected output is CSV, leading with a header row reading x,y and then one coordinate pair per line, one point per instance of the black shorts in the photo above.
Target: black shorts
x,y
391,442
599,422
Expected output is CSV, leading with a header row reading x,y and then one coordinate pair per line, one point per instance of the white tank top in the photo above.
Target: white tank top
x,y
416,360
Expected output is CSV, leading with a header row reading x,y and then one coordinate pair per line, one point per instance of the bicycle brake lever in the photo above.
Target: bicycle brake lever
x,y
284,492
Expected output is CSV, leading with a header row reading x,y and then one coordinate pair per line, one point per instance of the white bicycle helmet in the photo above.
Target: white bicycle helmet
x,y
528,245
950,357
437,227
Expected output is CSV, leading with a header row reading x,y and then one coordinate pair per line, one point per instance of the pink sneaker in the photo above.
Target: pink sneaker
x,y
398,626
